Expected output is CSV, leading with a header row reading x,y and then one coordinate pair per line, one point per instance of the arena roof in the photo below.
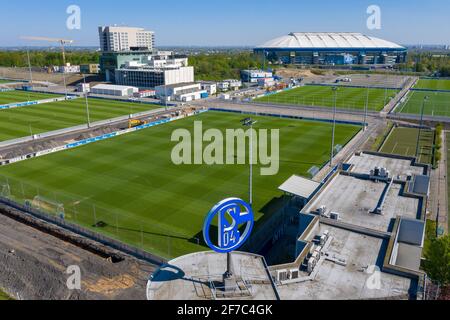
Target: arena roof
x,y
328,40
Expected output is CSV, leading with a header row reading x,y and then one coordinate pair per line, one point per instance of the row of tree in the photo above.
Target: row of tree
x,y
222,65
46,58
430,63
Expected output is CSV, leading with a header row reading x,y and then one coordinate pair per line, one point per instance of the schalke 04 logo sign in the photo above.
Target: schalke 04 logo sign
x,y
231,214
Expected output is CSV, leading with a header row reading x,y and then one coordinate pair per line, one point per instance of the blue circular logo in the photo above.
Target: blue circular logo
x,y
231,214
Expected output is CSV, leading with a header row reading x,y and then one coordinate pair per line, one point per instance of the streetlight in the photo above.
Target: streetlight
x,y
425,99
334,126
366,107
249,122
87,102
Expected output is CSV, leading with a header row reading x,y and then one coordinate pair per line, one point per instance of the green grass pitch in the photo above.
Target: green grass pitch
x,y
433,84
8,97
347,98
18,122
438,103
6,81
142,198
4,296
403,141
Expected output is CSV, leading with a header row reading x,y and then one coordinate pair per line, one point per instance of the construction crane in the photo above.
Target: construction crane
x,y
62,42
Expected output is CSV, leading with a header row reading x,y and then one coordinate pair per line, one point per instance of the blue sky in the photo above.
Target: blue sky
x,y
230,22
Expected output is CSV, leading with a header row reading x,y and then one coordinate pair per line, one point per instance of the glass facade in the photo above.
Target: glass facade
x,y
338,57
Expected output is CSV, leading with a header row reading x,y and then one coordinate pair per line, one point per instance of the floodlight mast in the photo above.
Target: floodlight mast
x,y
249,122
425,99
62,43
334,126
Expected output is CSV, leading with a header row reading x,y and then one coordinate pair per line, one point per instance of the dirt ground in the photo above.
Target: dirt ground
x,y
33,266
41,75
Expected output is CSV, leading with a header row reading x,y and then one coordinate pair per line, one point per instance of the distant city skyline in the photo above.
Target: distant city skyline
x,y
236,23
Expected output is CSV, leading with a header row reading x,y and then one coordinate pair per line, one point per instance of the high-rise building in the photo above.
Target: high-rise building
x,y
120,39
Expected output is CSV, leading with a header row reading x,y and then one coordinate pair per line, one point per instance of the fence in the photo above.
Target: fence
x,y
104,222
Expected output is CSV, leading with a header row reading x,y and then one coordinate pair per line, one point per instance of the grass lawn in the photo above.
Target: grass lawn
x,y
347,98
4,296
18,122
142,198
433,84
403,141
6,81
437,105
430,235
24,96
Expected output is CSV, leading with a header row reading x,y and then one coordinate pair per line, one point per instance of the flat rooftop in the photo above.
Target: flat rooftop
x,y
353,281
398,167
356,199
194,277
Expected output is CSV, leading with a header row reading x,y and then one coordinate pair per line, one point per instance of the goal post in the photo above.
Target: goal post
x,y
48,206
5,190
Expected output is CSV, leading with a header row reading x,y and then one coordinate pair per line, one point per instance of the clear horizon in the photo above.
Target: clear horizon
x,y
247,23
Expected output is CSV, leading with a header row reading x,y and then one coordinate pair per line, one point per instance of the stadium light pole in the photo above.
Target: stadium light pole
x,y
87,103
366,108
29,66
425,99
334,126
249,122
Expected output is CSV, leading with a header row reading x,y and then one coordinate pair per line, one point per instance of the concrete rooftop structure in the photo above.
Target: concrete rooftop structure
x,y
362,253
350,282
198,276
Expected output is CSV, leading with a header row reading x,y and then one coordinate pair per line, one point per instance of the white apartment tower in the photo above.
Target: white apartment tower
x,y
119,39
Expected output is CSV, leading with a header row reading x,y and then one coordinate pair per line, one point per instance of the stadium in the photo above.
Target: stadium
x,y
324,48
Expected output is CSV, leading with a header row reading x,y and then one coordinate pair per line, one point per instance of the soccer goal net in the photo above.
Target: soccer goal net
x,y
5,190
48,206
313,171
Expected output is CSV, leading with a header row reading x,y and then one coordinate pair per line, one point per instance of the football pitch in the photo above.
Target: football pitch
x,y
433,84
438,103
347,98
403,141
6,81
129,188
24,121
8,97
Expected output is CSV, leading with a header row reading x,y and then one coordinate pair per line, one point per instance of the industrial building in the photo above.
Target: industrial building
x,y
114,90
229,84
92,68
162,68
120,45
252,76
183,92
120,39
331,48
339,244
110,61
210,87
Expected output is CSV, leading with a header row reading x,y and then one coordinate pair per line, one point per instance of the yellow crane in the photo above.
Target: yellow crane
x,y
62,43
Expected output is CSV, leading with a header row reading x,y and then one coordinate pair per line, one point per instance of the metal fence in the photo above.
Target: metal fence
x,y
108,223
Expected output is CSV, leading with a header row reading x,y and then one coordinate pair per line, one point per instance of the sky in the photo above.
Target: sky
x,y
225,23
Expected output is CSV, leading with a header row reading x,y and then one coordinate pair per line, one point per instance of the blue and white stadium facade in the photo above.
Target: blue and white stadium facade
x,y
326,48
